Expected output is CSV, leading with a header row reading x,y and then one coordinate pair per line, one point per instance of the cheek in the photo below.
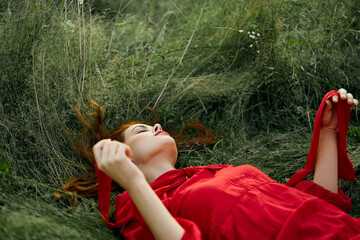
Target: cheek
x,y
144,147
141,145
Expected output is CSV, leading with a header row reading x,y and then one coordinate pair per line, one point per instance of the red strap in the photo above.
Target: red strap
x,y
345,167
104,191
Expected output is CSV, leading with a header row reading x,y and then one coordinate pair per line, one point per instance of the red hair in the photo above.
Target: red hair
x,y
94,130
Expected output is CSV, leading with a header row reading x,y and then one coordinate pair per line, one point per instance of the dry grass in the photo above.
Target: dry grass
x,y
187,59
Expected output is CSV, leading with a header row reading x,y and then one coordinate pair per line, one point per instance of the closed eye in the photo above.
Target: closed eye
x,y
140,128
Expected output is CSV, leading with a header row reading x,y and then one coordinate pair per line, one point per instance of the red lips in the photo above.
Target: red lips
x,y
161,132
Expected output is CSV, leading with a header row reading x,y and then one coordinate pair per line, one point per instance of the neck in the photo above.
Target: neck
x,y
154,170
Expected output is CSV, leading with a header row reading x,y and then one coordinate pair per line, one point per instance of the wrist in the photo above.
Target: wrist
x,y
137,185
130,182
328,131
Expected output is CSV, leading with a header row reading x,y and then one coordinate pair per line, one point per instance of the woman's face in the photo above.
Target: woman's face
x,y
150,142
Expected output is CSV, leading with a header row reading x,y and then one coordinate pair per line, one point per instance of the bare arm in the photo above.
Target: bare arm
x,y
326,171
114,158
158,218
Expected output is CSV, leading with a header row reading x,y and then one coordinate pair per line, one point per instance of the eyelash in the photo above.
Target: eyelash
x,y
143,130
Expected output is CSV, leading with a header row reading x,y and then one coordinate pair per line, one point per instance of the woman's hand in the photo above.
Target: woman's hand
x,y
114,159
329,119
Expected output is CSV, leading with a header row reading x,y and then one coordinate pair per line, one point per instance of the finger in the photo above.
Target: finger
x,y
117,144
335,99
112,150
328,105
124,150
342,93
121,155
105,150
350,98
97,149
355,103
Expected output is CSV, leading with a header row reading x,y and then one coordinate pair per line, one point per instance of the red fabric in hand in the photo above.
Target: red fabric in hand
x,y
104,191
345,167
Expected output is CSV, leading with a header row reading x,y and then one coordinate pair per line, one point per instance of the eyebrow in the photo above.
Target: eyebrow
x,y
142,126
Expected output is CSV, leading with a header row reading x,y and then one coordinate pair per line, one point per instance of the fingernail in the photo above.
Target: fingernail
x,y
350,100
343,95
336,98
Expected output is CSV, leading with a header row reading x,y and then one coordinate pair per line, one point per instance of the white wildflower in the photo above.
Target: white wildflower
x,y
249,33
69,25
81,1
240,31
258,51
253,32
258,34
251,45
252,36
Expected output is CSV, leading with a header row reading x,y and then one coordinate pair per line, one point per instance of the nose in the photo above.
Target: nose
x,y
157,127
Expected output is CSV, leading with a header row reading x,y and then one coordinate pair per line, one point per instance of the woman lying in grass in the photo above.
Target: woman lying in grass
x,y
220,201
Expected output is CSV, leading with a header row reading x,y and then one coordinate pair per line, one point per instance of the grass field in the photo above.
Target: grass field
x,y
254,70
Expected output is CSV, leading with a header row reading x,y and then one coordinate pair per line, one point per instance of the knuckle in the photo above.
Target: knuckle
x,y
97,145
100,143
342,92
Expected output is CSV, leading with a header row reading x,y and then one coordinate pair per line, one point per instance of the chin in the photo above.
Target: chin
x,y
166,148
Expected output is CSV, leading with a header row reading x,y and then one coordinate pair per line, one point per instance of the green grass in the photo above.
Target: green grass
x,y
188,60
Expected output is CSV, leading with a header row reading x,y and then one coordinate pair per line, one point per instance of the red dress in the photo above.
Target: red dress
x,y
228,202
